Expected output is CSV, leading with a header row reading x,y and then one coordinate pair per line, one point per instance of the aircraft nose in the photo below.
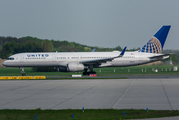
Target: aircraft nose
x,y
4,63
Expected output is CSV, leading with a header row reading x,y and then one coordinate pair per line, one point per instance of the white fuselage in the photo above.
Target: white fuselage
x,y
61,59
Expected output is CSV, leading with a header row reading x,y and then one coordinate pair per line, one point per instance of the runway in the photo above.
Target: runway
x,y
157,94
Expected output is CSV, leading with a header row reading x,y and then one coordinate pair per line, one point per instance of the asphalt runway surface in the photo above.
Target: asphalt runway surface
x,y
156,94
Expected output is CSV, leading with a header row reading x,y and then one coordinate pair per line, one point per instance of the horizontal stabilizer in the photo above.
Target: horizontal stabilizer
x,y
159,56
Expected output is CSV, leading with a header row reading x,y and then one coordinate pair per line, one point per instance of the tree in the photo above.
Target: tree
x,y
46,46
174,58
7,49
1,48
87,49
72,44
118,48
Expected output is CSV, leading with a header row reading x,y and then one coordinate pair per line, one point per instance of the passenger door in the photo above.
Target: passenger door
x,y
22,58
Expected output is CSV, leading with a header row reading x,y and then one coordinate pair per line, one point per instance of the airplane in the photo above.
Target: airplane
x,y
84,61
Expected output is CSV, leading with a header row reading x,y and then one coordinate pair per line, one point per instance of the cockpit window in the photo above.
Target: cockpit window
x,y
10,58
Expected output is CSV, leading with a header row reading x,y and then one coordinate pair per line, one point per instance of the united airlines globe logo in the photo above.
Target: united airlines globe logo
x,y
152,46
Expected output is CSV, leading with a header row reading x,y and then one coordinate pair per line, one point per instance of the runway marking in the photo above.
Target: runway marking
x,y
166,95
78,94
123,94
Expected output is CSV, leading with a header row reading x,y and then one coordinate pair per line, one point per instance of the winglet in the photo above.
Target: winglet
x,y
122,53
93,50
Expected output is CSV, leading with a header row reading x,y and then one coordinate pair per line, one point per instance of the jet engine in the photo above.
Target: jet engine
x,y
75,66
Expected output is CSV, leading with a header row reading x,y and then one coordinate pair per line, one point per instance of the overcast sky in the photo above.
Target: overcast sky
x,y
103,23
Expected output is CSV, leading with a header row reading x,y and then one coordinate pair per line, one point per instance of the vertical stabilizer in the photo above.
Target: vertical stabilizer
x,y
156,43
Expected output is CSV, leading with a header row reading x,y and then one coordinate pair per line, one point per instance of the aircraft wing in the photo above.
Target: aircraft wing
x,y
104,60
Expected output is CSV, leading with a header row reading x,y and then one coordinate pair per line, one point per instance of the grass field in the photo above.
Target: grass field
x,y
91,114
118,71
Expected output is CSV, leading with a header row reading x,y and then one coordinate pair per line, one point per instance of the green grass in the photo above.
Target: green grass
x,y
119,71
89,114
138,70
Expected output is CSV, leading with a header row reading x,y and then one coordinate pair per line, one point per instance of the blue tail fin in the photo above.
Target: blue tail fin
x,y
156,43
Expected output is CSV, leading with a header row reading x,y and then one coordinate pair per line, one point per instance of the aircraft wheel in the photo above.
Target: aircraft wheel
x,y
93,72
84,73
23,74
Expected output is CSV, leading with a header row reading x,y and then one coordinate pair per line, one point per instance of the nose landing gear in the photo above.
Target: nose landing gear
x,y
22,71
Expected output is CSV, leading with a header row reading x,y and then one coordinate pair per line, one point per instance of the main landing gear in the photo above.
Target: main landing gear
x,y
22,71
88,73
91,71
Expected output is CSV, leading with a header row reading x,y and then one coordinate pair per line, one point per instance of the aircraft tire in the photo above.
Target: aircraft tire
x,y
84,73
23,74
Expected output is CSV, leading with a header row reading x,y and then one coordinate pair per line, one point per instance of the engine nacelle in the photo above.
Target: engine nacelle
x,y
75,67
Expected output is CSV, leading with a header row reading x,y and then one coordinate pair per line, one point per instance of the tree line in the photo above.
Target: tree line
x,y
12,45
